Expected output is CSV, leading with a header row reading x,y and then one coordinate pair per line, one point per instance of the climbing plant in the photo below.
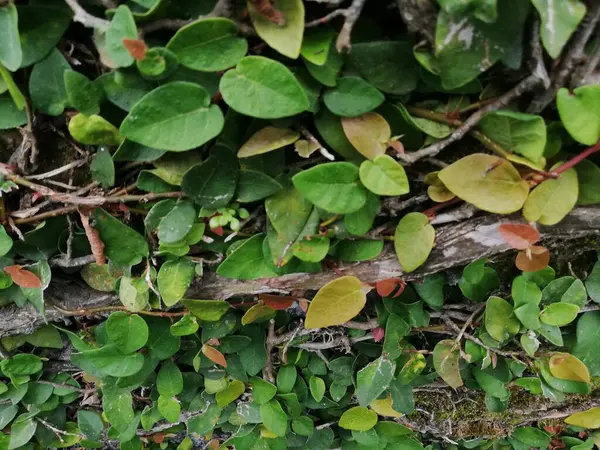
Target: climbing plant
x,y
325,224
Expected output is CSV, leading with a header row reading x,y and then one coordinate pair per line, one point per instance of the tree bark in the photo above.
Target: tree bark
x,y
456,245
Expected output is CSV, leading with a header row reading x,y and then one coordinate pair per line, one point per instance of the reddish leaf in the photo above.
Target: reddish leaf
x,y
269,12
136,48
392,287
303,303
36,196
214,355
378,334
519,236
533,259
554,429
22,277
158,438
123,207
397,145
94,239
556,444
218,231
213,341
277,302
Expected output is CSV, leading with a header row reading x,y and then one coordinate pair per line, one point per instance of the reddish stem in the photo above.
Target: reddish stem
x,y
431,212
577,159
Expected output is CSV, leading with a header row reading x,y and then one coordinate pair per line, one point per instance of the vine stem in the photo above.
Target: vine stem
x,y
577,159
101,309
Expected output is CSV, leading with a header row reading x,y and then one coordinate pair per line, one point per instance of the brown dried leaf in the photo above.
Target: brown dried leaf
x,y
22,277
267,10
533,259
391,287
277,302
519,236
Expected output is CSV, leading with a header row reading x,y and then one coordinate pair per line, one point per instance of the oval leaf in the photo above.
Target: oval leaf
x,y
368,133
384,176
336,303
413,240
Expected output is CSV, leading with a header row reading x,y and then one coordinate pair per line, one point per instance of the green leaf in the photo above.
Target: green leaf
x,y
484,10
317,388
46,337
559,21
327,73
303,426
253,186
413,240
186,326
332,186
177,223
358,249
586,345
286,379
311,248
465,47
358,418
488,182
262,390
103,168
490,384
133,293
209,310
579,112
373,379
161,343
396,328
361,221
212,183
208,45
123,245
169,381
257,313
40,30
427,126
316,45
559,314
517,132
592,283
6,241
384,176
263,88
21,432
285,37
553,199
128,332
446,356
500,322
170,408
247,261
174,278
11,53
21,364
84,95
110,360
132,151
230,393
124,88
90,424
186,123
387,65
266,140
10,115
588,176
352,97
273,417
337,302
94,130
289,213
586,419
47,85
122,26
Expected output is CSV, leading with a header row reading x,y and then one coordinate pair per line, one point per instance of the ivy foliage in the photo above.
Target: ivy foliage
x,y
256,140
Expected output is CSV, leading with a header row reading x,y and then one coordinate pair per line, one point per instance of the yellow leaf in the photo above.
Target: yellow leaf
x,y
446,362
266,433
488,182
383,407
569,367
368,133
257,312
306,148
552,200
436,190
266,140
585,419
336,303
285,36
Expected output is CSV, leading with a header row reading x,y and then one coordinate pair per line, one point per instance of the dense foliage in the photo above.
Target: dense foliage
x,y
152,145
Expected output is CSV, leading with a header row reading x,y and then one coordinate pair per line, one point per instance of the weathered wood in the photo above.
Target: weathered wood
x,y
456,245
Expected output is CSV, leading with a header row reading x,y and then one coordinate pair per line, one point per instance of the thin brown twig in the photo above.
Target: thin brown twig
x,y
103,309
268,369
59,170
